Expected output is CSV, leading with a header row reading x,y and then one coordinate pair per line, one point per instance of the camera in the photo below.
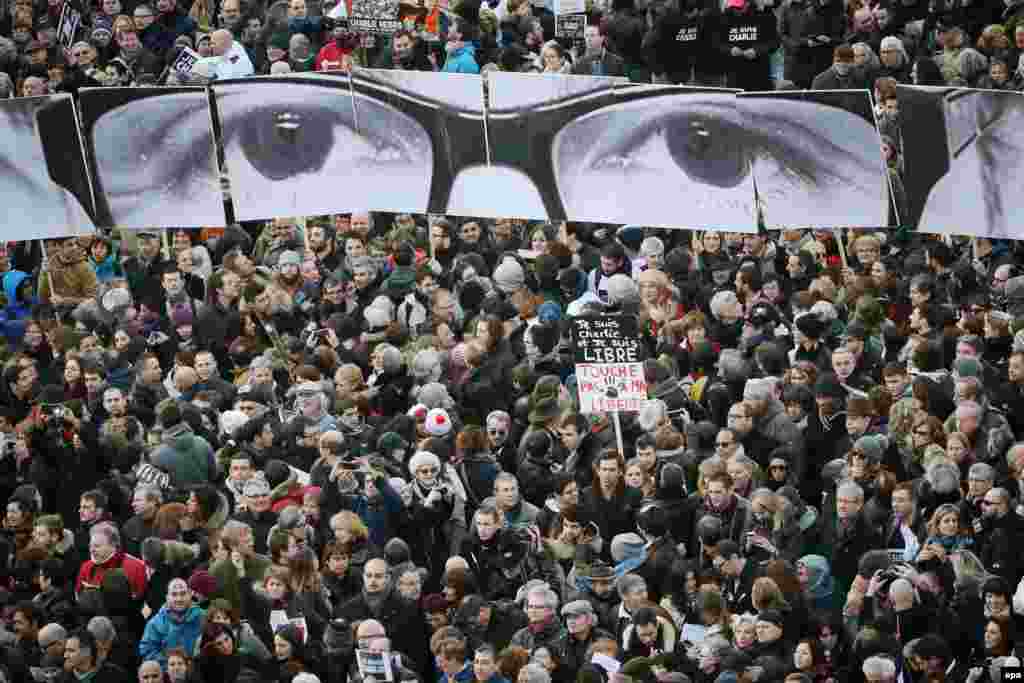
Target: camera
x,y
55,415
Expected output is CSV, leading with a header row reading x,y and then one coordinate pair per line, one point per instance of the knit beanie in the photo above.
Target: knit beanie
x,y
622,289
509,276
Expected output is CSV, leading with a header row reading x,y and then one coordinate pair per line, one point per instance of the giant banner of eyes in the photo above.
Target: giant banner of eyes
x,y
44,185
526,145
429,138
153,157
816,159
963,157
525,120
329,143
654,155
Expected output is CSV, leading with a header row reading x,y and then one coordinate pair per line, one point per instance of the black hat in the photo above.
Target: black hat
x,y
51,394
600,570
472,296
930,645
773,616
405,254
856,330
537,444
828,386
811,325
257,394
345,327
277,472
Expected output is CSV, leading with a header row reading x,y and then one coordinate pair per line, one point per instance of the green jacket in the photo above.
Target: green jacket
x,y
187,458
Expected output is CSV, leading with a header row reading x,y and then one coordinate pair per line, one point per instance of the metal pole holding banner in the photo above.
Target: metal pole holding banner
x,y
618,433
166,242
44,267
842,248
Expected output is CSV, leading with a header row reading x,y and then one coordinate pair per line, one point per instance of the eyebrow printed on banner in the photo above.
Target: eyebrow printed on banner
x,y
421,131
978,191
658,155
291,146
44,184
823,165
153,155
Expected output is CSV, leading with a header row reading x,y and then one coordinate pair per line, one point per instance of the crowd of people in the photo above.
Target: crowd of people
x,y
749,44
350,448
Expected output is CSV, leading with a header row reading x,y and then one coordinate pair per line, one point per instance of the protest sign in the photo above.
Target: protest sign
x,y
187,59
70,20
375,16
570,26
609,369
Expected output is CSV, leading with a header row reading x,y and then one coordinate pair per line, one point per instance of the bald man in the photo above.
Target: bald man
x,y
150,672
377,600
229,58
914,618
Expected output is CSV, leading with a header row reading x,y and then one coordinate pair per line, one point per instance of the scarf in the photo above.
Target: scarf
x,y
375,602
537,629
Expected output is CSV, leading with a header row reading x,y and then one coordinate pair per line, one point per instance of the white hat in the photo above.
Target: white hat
x,y
438,423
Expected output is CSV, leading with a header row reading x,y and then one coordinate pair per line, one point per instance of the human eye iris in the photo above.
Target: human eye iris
x,y
706,149
284,143
274,148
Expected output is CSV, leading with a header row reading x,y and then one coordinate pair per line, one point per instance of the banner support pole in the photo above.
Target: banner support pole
x,y
618,433
842,248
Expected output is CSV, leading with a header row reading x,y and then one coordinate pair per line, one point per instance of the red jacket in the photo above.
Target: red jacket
x,y
134,569
330,57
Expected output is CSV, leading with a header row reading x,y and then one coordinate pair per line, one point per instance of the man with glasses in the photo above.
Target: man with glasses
x,y
179,623
987,428
726,441
848,532
770,426
499,426
740,421
377,601
719,501
51,640
582,633
543,628
998,532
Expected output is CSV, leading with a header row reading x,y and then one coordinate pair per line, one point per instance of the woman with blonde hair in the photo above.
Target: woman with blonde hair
x,y
946,528
658,307
348,381
349,528
766,595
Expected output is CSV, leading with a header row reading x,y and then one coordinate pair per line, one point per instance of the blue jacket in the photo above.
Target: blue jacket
x,y
165,630
108,268
462,61
311,26
13,315
464,676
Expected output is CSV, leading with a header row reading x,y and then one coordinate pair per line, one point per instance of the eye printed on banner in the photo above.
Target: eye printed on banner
x,y
964,157
154,157
830,166
580,148
289,149
38,169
